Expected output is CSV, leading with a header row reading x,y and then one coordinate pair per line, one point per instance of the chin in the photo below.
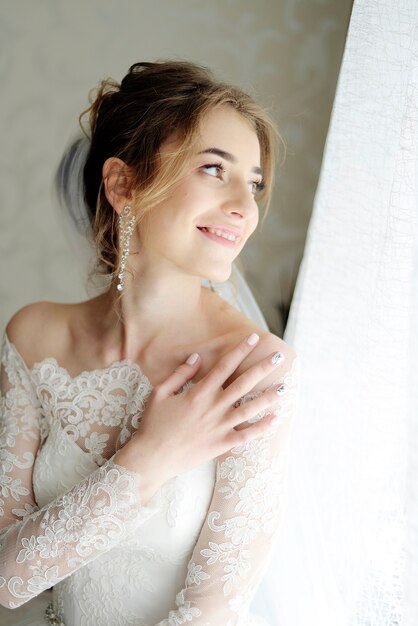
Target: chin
x,y
218,274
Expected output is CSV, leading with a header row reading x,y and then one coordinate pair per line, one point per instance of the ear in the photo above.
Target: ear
x,y
117,178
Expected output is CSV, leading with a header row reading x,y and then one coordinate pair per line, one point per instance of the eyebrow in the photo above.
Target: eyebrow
x,y
229,157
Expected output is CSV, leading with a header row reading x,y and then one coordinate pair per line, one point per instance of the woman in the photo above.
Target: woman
x,y
144,431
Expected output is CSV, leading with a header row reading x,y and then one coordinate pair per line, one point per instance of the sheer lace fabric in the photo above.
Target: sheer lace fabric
x,y
72,518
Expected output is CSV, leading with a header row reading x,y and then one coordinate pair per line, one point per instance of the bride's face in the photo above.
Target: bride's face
x,y
217,194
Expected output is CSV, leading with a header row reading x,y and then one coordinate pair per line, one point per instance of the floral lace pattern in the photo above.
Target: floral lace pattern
x,y
51,543
101,408
239,529
111,560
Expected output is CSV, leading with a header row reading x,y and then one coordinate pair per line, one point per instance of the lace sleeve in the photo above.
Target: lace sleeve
x,y
39,547
231,554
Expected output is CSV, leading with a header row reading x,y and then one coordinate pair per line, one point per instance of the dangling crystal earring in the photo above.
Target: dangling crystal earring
x,y
125,233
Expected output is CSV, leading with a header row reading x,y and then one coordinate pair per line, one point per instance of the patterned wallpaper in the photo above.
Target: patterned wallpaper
x,y
52,52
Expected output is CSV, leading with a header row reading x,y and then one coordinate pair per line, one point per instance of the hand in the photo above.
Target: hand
x,y
179,431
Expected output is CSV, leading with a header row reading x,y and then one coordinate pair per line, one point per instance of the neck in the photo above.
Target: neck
x,y
156,308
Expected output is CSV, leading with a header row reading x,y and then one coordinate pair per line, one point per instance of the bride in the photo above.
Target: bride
x,y
144,432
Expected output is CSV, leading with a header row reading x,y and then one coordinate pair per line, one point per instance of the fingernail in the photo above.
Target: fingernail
x,y
192,358
252,339
277,358
281,389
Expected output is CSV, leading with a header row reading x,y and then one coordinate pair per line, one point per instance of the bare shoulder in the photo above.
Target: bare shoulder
x,y
268,344
236,326
37,329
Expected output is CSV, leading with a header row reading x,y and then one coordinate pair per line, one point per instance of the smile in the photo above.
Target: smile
x,y
226,239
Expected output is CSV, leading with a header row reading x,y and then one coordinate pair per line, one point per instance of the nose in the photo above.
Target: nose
x,y
239,201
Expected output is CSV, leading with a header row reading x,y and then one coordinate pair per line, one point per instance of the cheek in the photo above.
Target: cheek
x,y
252,227
180,203
254,222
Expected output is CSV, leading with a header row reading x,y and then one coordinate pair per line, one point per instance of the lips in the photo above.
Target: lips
x,y
226,229
217,239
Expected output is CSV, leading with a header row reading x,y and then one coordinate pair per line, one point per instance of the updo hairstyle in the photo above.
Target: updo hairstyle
x,y
131,121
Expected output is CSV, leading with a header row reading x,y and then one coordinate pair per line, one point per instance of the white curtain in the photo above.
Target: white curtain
x,y
348,554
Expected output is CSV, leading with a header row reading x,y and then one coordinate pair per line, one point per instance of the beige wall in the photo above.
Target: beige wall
x,y
53,52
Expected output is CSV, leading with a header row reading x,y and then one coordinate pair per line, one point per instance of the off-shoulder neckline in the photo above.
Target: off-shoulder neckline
x,y
100,371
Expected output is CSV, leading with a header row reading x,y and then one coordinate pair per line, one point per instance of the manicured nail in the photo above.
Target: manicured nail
x,y
252,339
192,358
281,389
277,358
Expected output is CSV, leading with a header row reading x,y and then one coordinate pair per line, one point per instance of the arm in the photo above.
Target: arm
x,y
231,554
38,548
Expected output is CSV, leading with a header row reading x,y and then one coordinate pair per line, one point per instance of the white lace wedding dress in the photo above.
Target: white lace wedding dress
x,y
71,518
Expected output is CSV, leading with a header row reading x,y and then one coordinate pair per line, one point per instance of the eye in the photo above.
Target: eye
x,y
214,169
256,186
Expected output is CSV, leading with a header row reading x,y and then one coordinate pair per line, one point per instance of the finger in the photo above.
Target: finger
x,y
253,431
244,383
227,365
257,408
180,376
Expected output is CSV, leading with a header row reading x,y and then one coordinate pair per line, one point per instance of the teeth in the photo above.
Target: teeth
x,y
221,233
